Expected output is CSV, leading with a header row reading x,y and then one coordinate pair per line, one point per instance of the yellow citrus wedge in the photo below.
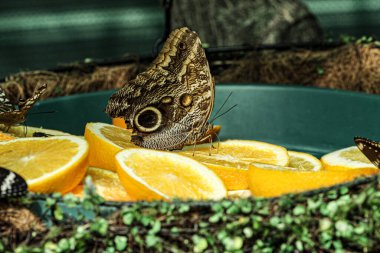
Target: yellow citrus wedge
x,y
51,164
271,181
247,151
107,185
348,159
150,174
232,171
239,194
105,141
28,131
304,161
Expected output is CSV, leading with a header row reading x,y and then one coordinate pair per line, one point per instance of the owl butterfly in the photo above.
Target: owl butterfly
x,y
12,115
371,149
11,184
168,105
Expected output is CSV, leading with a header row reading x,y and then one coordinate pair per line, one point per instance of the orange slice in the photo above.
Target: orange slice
x,y
150,174
350,158
28,131
107,185
232,171
271,181
51,164
247,151
304,161
105,141
6,137
230,159
119,122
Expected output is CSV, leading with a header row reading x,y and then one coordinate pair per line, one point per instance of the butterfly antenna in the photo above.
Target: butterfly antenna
x,y
224,113
221,107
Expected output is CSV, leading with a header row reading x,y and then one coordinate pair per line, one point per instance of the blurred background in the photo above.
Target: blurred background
x,y
40,34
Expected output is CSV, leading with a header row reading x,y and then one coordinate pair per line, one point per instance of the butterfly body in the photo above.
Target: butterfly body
x,y
168,105
11,114
371,149
11,184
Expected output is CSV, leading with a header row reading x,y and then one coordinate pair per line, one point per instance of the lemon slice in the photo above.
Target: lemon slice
x,y
150,174
231,170
105,141
271,181
230,159
107,185
28,131
247,151
52,164
304,161
347,159
6,136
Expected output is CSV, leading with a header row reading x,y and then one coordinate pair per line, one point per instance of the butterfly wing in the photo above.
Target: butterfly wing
x,y
371,149
26,105
11,184
5,104
168,105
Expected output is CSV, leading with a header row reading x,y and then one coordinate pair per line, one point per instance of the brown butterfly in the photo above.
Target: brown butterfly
x,y
169,104
11,114
371,149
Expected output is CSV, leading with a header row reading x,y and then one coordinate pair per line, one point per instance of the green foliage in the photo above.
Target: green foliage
x,y
341,219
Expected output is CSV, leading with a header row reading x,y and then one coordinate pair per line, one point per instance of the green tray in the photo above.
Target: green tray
x,y
300,118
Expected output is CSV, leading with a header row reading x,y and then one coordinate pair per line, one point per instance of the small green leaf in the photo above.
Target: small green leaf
x,y
248,232
151,240
184,208
100,226
156,227
299,209
128,218
200,243
58,213
120,242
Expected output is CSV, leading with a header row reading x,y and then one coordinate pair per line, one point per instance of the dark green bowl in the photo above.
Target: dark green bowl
x,y
300,118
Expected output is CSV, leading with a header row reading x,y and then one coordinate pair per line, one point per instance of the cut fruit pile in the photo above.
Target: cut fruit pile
x,y
122,171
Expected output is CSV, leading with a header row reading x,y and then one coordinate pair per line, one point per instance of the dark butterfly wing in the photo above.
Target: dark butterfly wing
x,y
371,149
11,184
5,104
26,105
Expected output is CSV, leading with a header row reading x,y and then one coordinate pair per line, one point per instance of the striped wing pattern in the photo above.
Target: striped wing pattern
x,y
11,184
370,148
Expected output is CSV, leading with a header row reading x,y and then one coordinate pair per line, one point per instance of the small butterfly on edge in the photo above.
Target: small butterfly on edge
x,y
11,184
371,149
11,114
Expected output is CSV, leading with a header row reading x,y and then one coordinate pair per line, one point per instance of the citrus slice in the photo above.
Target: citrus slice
x,y
150,174
348,159
239,194
272,181
304,161
107,185
119,122
27,131
52,164
247,151
6,137
231,170
105,141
